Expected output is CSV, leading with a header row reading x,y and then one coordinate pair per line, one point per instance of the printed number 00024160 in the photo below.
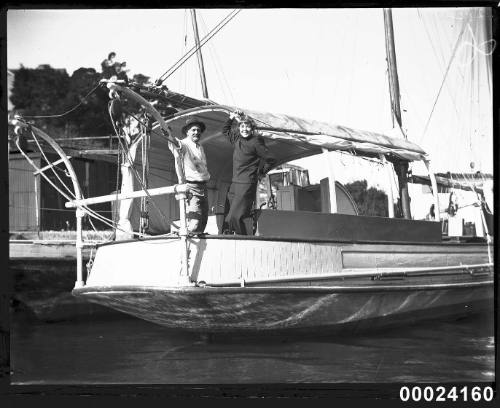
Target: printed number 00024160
x,y
440,393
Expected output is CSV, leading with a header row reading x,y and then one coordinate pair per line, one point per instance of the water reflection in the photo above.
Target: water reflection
x,y
126,350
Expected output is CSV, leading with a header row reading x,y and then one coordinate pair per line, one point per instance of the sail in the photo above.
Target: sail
x,y
445,83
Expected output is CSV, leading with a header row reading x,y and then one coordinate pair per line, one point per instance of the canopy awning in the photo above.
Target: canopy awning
x,y
291,138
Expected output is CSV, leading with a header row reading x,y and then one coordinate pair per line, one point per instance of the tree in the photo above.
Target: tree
x,y
370,201
41,92
91,117
141,79
46,91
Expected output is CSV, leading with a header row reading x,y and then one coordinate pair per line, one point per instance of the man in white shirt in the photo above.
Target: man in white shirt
x,y
196,174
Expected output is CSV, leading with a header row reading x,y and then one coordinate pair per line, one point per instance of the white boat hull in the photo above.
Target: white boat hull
x,y
435,280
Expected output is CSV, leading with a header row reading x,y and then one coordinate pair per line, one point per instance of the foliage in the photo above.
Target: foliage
x,y
39,92
141,79
370,201
91,117
46,91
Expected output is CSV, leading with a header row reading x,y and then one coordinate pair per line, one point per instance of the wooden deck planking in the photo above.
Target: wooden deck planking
x,y
44,250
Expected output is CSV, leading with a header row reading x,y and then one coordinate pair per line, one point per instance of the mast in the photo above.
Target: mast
x,y
392,68
401,167
199,55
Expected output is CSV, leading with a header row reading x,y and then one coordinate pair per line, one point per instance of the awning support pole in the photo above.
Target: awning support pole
x,y
183,228
390,198
331,181
432,177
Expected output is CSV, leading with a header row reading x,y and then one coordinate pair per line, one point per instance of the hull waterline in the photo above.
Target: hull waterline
x,y
278,309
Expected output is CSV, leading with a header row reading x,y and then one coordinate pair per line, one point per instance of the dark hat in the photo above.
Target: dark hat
x,y
193,120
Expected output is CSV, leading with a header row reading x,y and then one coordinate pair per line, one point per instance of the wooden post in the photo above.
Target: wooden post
x,y
488,237
37,206
79,248
390,198
432,177
87,178
401,168
331,181
183,232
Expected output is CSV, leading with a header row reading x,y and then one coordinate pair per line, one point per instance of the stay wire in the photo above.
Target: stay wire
x,y
218,67
444,79
85,208
16,141
89,211
72,194
195,48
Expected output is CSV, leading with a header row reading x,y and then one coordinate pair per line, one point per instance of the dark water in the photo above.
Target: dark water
x,y
126,350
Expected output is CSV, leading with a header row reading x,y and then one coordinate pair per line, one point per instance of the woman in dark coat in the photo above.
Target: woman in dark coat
x,y
251,159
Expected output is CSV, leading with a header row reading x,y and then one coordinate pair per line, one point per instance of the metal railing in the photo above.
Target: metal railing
x,y
180,191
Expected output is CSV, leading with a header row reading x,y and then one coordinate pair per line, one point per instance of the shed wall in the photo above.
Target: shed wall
x,y
95,178
22,199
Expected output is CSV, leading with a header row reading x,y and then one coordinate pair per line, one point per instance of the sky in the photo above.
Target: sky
x,y
323,64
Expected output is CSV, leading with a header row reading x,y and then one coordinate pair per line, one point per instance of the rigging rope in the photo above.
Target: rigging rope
x,y
85,208
127,156
65,113
72,195
444,77
194,49
52,167
218,66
